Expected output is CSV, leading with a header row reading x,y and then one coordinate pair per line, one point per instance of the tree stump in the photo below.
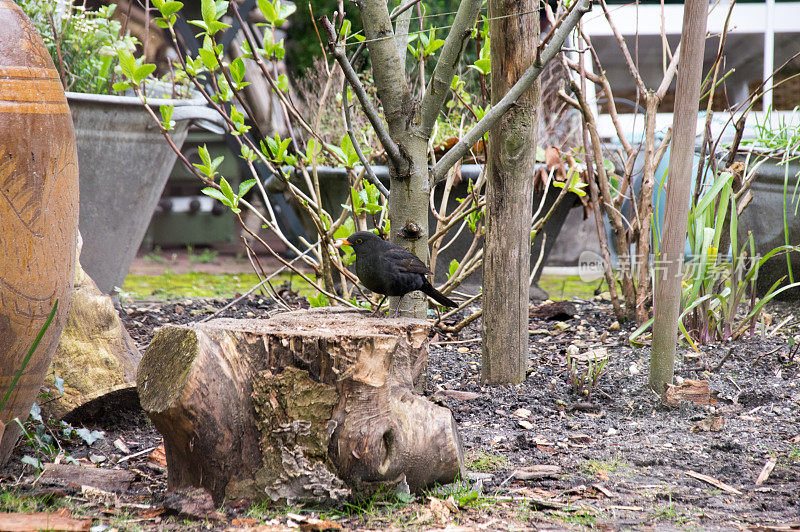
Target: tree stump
x,y
301,407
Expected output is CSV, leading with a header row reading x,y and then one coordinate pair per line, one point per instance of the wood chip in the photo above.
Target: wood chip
x,y
459,395
696,392
766,470
193,503
527,425
158,457
120,445
602,489
580,438
61,520
714,482
537,471
554,311
135,455
629,508
112,480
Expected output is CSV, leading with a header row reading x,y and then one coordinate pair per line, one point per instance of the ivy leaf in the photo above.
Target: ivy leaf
x,y
89,436
59,384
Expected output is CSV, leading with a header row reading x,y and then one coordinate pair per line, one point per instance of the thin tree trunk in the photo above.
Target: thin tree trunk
x,y
514,32
670,262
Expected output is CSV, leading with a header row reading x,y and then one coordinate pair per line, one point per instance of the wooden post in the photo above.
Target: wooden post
x,y
669,262
514,31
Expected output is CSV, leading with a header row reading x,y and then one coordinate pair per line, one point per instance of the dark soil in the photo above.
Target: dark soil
x,y
624,459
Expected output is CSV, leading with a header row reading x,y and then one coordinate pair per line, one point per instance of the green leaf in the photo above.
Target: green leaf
x,y
452,269
237,69
89,436
58,382
170,8
245,186
312,149
216,194
484,66
209,59
349,152
166,116
31,461
283,83
143,71
268,10
208,10
226,189
319,300
344,30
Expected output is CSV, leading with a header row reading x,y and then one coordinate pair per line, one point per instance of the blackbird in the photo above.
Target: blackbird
x,y
390,270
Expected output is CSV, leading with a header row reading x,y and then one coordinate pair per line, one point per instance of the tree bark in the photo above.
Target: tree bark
x,y
302,407
514,30
669,263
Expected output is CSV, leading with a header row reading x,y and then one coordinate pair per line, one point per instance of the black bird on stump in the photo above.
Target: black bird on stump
x,y
390,270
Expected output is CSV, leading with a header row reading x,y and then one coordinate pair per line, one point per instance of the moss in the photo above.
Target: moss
x,y
177,347
486,462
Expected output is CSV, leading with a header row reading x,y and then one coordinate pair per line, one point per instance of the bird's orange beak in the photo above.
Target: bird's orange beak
x,y
341,242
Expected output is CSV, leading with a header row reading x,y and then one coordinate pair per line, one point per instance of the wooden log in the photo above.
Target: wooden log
x,y
304,406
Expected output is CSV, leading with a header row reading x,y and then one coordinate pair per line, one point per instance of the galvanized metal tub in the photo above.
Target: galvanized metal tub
x,y
124,163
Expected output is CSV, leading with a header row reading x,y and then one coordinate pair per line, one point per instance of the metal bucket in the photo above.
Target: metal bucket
x,y
124,163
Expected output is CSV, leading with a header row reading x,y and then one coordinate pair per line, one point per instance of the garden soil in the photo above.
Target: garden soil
x,y
552,453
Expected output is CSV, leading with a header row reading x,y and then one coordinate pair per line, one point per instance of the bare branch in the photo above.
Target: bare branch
x,y
389,74
669,74
625,52
460,149
439,85
367,168
402,19
392,150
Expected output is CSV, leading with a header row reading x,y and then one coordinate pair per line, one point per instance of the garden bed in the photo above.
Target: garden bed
x,y
619,460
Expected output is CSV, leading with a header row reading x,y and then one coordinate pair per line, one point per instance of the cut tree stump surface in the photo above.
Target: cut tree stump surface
x,y
304,406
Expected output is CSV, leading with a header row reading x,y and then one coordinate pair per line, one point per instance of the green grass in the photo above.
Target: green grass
x,y
794,453
11,500
191,285
568,287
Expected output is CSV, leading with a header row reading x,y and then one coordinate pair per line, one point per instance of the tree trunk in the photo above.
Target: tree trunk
x,y
302,407
514,31
669,263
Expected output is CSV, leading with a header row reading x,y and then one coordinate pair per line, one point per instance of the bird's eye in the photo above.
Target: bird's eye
x,y
358,241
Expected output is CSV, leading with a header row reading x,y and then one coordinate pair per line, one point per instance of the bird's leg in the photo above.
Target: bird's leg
x,y
397,308
377,310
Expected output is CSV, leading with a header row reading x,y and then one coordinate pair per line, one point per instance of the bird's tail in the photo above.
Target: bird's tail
x,y
437,296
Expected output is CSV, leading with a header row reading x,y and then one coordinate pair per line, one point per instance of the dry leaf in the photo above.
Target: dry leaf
x,y
709,424
696,392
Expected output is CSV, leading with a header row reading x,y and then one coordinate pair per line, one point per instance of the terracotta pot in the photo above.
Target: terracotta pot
x,y
38,212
